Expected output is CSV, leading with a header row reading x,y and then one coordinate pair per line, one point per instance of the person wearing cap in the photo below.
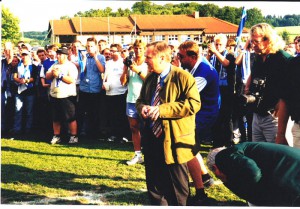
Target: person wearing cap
x,y
63,77
263,173
24,76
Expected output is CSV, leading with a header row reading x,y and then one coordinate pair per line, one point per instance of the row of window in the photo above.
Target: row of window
x,y
148,38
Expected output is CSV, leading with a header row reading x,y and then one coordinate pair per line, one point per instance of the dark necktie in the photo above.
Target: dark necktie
x,y
157,127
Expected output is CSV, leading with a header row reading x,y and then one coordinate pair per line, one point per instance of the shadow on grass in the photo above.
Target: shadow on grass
x,y
55,180
11,149
83,143
8,196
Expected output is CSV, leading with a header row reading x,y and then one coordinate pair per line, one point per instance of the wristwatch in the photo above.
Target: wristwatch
x,y
139,73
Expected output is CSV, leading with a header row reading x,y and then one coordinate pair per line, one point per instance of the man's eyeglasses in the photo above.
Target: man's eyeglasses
x,y
113,51
180,56
258,42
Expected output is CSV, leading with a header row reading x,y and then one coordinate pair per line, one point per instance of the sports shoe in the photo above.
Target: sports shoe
x,y
124,139
201,201
209,182
55,140
136,159
111,138
73,140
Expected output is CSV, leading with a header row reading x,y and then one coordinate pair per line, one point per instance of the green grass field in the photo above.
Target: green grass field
x,y
35,172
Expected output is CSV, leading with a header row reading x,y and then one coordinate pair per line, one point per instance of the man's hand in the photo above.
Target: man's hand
x,y
153,112
92,54
55,72
22,81
212,48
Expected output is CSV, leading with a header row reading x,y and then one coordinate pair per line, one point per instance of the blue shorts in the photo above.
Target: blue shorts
x,y
131,110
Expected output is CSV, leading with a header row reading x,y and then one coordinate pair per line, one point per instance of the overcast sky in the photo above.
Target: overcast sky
x,y
34,15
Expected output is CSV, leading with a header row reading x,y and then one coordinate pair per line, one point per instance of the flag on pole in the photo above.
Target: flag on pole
x,y
81,65
241,26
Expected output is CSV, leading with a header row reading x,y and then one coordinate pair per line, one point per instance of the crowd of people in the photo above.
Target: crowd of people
x,y
168,99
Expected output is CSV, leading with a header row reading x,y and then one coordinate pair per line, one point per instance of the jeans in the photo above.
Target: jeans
x,y
24,102
264,128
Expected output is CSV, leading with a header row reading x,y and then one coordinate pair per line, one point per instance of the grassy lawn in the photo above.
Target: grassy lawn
x,y
35,172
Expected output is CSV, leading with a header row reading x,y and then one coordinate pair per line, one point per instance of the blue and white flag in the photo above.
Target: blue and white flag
x,y
81,65
241,26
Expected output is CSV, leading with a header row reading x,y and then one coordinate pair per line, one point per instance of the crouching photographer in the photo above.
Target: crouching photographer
x,y
265,85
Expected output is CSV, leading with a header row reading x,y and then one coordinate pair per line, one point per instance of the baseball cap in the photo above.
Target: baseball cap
x,y
24,51
63,50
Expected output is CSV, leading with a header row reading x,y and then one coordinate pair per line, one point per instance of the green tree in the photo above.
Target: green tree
x,y
142,7
123,13
285,36
228,14
10,26
209,10
254,16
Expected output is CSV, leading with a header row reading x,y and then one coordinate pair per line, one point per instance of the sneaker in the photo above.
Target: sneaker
x,y
55,140
203,201
73,140
111,139
209,182
136,159
124,139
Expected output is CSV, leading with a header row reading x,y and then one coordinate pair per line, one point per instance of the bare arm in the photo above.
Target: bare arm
x,y
124,76
136,69
283,117
212,49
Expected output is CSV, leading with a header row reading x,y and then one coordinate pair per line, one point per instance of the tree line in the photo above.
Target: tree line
x,y
227,13
11,29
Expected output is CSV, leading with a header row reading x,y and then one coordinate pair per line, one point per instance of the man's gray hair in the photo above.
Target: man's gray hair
x,y
211,157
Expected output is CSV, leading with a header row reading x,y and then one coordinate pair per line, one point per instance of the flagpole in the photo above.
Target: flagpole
x,y
240,28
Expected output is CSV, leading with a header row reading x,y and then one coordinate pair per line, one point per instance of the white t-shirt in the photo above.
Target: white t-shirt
x,y
60,89
113,72
76,59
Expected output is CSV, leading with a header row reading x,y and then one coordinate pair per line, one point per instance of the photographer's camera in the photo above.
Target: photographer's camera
x,y
129,60
256,94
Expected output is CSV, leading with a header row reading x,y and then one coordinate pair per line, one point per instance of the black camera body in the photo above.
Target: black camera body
x,y
129,60
256,95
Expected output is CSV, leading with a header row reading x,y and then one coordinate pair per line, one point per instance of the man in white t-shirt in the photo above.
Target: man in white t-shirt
x,y
63,95
115,96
